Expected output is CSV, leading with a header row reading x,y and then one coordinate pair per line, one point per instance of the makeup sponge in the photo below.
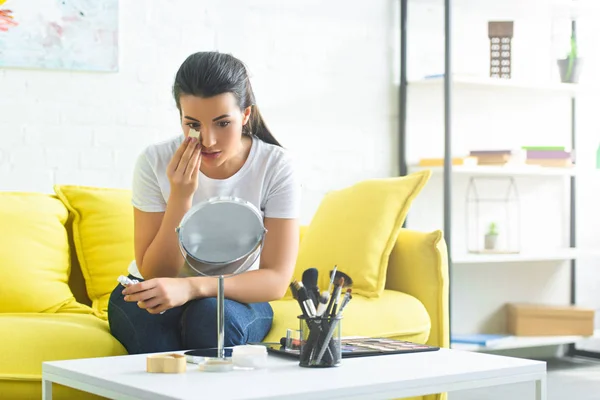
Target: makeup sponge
x,y
194,133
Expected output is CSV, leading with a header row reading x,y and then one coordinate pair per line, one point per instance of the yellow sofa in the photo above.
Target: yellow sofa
x,y
48,231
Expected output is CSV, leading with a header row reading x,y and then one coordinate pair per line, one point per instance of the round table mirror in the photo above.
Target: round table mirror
x,y
221,237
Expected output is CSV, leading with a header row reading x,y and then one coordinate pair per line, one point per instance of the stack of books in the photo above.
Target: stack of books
x,y
491,157
477,340
439,162
548,156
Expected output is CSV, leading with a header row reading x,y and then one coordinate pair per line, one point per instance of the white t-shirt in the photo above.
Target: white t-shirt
x,y
267,179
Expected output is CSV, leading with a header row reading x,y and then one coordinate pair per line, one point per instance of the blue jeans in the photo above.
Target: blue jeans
x,y
191,326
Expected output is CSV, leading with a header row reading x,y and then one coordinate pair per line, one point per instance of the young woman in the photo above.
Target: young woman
x,y
236,155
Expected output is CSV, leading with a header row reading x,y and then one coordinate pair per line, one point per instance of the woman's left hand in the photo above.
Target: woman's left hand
x,y
159,294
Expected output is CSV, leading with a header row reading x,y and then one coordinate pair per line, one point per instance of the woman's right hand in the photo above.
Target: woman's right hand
x,y
183,168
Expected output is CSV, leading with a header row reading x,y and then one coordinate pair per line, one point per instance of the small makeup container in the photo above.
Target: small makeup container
x,y
249,356
293,339
321,339
216,365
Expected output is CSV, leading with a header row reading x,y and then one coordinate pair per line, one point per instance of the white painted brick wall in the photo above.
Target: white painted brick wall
x,y
321,72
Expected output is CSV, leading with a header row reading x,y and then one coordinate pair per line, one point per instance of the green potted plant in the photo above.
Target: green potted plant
x,y
570,66
491,237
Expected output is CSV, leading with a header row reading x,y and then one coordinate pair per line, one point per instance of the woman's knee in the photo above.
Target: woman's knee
x,y
199,323
120,324
139,331
262,322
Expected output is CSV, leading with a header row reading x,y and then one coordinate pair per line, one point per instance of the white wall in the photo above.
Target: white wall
x,y
322,73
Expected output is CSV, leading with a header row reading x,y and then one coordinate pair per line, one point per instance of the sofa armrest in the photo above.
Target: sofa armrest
x,y
418,266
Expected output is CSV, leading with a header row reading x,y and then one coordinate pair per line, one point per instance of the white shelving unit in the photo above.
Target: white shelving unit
x,y
457,83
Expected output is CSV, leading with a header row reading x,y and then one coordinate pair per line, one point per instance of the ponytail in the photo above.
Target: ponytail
x,y
256,126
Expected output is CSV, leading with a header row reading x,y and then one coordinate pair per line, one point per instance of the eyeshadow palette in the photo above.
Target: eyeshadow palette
x,y
375,346
362,347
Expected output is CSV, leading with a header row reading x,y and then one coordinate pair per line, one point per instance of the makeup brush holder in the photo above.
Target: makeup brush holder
x,y
321,341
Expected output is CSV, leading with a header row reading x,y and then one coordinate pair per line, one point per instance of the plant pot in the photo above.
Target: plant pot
x,y
490,242
569,75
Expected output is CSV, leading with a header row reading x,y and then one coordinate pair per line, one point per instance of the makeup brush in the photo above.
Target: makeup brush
x,y
337,288
323,300
310,279
304,299
331,278
344,303
294,290
337,296
347,279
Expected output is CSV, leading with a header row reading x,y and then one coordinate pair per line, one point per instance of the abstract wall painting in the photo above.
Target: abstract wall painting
x,y
78,35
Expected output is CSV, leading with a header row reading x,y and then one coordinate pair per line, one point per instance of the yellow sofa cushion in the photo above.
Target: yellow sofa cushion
x,y
34,254
29,339
102,235
356,228
393,315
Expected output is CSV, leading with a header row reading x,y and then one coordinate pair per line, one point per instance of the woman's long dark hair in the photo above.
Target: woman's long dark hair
x,y
207,74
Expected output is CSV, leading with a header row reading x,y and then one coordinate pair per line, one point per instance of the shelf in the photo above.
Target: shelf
x,y
518,342
486,83
525,256
507,170
573,7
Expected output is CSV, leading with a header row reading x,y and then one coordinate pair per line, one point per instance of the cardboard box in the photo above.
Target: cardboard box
x,y
545,320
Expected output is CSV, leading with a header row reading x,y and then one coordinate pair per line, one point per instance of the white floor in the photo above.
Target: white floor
x,y
568,379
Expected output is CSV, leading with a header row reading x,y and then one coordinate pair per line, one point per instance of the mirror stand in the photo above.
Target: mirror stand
x,y
221,318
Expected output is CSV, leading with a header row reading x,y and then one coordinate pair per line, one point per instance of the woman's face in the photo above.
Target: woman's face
x,y
219,121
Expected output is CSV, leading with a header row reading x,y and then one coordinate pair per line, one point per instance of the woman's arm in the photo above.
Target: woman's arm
x,y
157,250
271,280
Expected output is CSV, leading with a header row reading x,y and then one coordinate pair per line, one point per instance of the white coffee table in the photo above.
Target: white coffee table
x,y
381,377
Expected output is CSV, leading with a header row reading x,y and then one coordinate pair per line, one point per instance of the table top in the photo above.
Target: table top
x,y
284,377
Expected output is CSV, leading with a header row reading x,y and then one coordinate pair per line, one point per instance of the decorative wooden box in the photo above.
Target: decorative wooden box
x,y
546,320
166,363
